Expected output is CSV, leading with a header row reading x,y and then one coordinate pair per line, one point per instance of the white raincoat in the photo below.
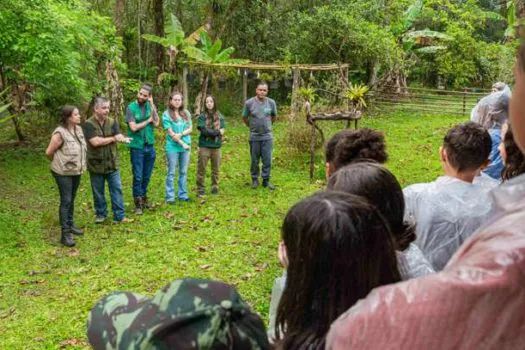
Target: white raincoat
x,y
446,213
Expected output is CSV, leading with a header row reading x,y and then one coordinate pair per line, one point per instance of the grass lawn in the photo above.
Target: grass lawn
x,y
46,290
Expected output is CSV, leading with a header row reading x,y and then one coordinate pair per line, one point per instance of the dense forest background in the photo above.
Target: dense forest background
x,y
54,52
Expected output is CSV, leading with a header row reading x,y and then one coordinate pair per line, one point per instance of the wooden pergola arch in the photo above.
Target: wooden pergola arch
x,y
296,75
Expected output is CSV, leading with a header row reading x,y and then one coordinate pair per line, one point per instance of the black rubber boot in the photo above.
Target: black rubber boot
x,y
267,184
67,238
77,231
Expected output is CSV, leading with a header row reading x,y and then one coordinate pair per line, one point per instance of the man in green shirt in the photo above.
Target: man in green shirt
x,y
142,118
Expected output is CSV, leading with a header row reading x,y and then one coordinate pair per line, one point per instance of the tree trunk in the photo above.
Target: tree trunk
x,y
201,96
18,97
120,5
295,86
159,31
520,9
114,91
371,69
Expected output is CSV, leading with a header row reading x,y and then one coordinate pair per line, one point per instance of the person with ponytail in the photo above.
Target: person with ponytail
x,y
211,126
67,153
374,182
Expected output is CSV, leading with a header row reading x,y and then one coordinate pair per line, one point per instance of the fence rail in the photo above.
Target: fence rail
x,y
426,100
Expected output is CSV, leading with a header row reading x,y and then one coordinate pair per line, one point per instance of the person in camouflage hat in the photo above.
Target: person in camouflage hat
x,y
185,314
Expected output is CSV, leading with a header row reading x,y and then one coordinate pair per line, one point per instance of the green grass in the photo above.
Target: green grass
x,y
46,290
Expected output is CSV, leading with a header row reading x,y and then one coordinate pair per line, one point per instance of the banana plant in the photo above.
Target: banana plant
x,y
211,53
175,41
429,41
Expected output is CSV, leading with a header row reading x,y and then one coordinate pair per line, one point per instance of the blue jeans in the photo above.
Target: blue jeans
x,y
98,182
261,150
142,161
181,159
495,166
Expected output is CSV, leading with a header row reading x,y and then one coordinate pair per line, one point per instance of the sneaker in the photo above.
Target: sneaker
x,y
100,219
139,211
123,221
201,193
255,183
267,184
185,199
214,190
77,231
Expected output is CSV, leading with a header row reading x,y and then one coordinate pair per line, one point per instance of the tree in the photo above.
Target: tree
x,y
50,53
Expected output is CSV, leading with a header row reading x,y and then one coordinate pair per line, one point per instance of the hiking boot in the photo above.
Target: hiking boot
x,y
255,184
267,184
214,190
67,239
77,231
145,203
138,205
100,219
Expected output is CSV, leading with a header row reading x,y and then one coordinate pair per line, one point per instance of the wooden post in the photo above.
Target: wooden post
x,y
185,84
464,101
312,151
345,77
244,85
295,86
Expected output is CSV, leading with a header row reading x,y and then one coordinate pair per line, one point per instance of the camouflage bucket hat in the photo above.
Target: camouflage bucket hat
x,y
185,314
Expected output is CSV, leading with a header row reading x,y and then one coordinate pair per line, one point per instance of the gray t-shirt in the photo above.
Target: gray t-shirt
x,y
259,116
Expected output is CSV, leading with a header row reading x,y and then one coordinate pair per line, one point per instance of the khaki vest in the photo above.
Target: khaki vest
x,y
70,158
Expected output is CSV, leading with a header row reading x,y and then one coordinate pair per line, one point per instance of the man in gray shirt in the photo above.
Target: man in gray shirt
x,y
258,114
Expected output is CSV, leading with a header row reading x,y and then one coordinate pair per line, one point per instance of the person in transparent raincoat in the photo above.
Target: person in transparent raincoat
x,y
447,211
476,302
492,112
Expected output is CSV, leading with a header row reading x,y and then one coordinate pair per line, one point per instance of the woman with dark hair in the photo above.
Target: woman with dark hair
x,y
211,126
177,122
513,159
381,188
348,146
338,249
67,152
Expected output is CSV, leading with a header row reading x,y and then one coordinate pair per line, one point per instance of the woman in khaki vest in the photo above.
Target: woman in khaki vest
x,y
67,152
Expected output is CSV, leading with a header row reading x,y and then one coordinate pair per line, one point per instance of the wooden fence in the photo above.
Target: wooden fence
x,y
426,101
